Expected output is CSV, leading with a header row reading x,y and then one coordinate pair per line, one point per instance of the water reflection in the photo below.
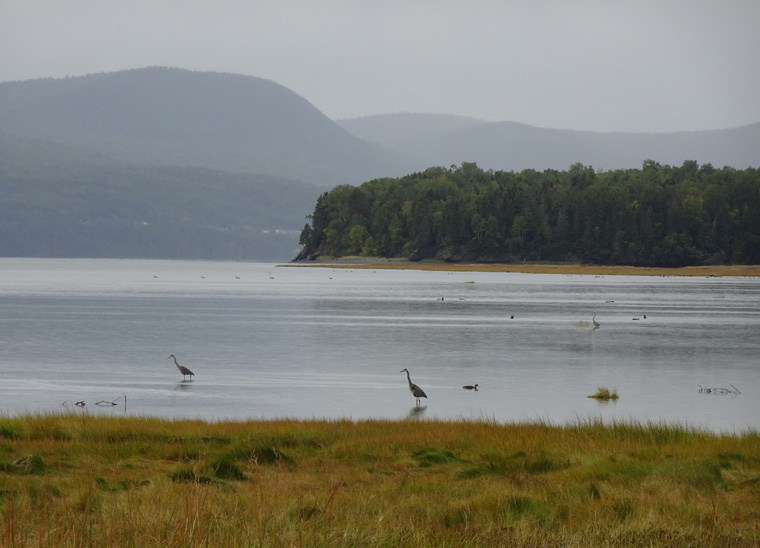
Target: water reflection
x,y
416,412
605,402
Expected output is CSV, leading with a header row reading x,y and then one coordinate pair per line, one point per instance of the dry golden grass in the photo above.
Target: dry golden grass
x,y
95,481
598,270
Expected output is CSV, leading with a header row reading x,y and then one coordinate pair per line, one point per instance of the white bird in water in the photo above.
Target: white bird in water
x,y
182,369
416,391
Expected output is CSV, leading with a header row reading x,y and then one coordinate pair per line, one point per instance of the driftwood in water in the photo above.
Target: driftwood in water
x,y
101,403
732,390
104,403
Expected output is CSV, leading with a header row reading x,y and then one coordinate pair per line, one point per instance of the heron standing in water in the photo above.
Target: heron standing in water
x,y
182,369
593,319
416,391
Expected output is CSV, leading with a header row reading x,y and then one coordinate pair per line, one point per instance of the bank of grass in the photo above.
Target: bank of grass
x,y
527,268
99,481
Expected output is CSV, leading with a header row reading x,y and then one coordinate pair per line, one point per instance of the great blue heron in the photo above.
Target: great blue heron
x,y
471,387
593,319
182,369
416,391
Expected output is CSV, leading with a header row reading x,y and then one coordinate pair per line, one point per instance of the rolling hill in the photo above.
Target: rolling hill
x,y
442,140
57,201
168,163
168,116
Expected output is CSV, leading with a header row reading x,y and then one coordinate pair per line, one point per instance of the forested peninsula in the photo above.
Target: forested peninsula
x,y
658,215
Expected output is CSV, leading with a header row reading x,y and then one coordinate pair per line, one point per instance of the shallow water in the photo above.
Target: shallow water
x,y
270,342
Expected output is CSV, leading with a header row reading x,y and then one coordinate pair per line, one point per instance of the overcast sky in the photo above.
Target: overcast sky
x,y
604,65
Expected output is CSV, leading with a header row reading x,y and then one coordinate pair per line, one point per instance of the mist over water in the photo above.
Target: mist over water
x,y
267,342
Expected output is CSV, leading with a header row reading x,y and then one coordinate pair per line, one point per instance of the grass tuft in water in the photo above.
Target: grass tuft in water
x,y
604,394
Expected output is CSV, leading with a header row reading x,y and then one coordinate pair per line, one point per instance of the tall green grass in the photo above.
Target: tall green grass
x,y
98,481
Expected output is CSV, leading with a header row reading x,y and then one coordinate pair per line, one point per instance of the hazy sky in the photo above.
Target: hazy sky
x,y
606,65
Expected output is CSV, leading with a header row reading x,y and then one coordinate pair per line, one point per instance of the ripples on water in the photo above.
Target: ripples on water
x,y
269,342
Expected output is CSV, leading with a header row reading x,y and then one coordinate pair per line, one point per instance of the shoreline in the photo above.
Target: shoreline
x,y
751,271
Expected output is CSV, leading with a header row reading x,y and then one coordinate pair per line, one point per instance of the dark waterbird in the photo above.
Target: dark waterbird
x,y
471,386
182,369
416,391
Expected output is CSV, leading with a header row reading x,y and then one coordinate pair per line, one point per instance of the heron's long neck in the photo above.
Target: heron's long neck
x,y
175,361
409,379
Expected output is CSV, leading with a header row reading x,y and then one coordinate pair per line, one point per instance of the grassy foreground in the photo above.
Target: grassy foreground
x,y
80,480
598,270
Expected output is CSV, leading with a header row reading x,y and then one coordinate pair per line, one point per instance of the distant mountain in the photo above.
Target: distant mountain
x,y
169,116
441,140
170,163
57,201
406,131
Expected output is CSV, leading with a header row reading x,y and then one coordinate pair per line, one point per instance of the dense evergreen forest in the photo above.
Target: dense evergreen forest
x,y
658,215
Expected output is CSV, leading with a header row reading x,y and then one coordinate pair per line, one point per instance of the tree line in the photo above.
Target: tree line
x,y
658,215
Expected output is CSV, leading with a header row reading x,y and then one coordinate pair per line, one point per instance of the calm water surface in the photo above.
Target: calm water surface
x,y
272,342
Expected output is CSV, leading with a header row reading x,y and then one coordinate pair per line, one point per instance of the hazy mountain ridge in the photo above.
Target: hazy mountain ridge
x,y
152,141
442,140
178,117
238,123
405,130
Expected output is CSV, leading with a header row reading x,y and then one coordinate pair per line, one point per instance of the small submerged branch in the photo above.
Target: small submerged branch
x,y
103,403
721,390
